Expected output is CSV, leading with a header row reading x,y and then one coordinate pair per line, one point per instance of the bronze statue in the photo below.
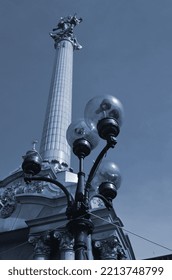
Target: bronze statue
x,y
64,30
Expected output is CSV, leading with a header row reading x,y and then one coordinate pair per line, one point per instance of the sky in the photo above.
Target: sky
x,y
127,52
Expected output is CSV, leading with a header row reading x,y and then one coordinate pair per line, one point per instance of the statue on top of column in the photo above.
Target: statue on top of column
x,y
64,30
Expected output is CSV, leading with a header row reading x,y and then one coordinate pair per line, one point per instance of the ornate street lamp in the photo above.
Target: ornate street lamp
x,y
103,118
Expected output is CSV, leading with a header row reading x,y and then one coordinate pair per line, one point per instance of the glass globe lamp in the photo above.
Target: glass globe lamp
x,y
81,138
108,178
104,113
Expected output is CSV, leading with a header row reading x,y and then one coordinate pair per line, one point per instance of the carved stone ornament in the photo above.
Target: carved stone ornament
x,y
96,203
32,187
7,202
41,245
109,248
8,195
66,241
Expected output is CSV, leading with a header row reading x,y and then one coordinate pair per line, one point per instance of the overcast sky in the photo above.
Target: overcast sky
x,y
127,52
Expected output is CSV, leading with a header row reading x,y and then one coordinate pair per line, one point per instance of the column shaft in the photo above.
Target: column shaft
x,y
59,109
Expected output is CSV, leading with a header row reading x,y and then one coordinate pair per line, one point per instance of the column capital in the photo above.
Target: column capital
x,y
109,249
41,245
65,244
65,239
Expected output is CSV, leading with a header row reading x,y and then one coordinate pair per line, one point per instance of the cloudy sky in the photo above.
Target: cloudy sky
x,y
127,52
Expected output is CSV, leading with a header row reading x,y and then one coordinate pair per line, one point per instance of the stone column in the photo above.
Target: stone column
x,y
66,243
58,115
41,246
54,146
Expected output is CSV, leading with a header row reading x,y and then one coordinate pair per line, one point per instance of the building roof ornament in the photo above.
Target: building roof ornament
x,y
34,142
64,31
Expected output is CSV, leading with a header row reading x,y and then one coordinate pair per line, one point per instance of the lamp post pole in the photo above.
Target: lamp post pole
x,y
83,139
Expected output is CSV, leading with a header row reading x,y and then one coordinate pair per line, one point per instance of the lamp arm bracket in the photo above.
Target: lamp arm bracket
x,y
110,144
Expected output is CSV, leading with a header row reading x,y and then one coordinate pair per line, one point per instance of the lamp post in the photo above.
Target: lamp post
x,y
103,118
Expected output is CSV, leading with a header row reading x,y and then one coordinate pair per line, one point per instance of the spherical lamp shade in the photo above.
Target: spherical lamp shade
x,y
80,136
109,172
108,179
103,113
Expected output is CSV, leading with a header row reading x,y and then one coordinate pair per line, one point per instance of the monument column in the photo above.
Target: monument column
x,y
59,108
